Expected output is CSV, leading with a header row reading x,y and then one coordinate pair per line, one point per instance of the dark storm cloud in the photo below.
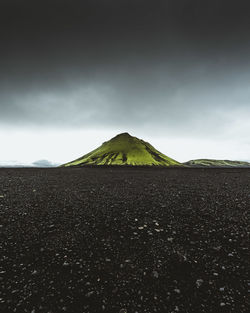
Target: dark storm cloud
x,y
88,63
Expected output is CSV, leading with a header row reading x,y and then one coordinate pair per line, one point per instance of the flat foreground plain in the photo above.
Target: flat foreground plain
x,y
124,240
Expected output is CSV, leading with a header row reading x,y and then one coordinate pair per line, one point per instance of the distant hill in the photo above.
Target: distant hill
x,y
44,163
39,163
216,163
124,149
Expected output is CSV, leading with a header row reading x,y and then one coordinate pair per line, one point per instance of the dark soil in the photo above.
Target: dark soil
x,y
124,240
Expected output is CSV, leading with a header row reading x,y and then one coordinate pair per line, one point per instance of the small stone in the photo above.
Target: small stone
x,y
222,304
89,294
155,274
177,291
199,282
65,263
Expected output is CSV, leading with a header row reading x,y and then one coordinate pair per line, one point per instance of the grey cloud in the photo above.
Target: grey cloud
x,y
155,102
175,66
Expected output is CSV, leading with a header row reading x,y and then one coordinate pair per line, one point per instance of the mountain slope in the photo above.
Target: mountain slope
x,y
124,150
216,163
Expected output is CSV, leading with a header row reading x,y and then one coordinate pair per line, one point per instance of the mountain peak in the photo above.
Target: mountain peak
x,y
124,149
123,135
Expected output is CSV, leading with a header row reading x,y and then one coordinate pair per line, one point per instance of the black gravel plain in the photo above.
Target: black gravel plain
x,y
124,240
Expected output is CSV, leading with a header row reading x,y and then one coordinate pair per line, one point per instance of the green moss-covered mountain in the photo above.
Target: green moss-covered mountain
x,y
124,150
216,163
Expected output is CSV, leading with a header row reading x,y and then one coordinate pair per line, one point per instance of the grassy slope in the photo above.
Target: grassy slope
x,y
211,162
124,150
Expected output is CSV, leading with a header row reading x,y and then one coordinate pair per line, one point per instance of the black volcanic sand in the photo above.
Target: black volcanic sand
x,y
124,240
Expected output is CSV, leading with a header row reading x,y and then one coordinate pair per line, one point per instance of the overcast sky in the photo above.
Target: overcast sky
x,y
75,73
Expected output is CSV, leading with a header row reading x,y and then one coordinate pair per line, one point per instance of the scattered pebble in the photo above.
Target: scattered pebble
x,y
155,274
199,282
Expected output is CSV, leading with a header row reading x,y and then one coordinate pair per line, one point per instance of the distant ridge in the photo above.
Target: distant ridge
x,y
216,163
38,163
124,149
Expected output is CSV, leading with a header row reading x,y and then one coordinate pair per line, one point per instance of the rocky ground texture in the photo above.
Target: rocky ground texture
x,y
124,240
